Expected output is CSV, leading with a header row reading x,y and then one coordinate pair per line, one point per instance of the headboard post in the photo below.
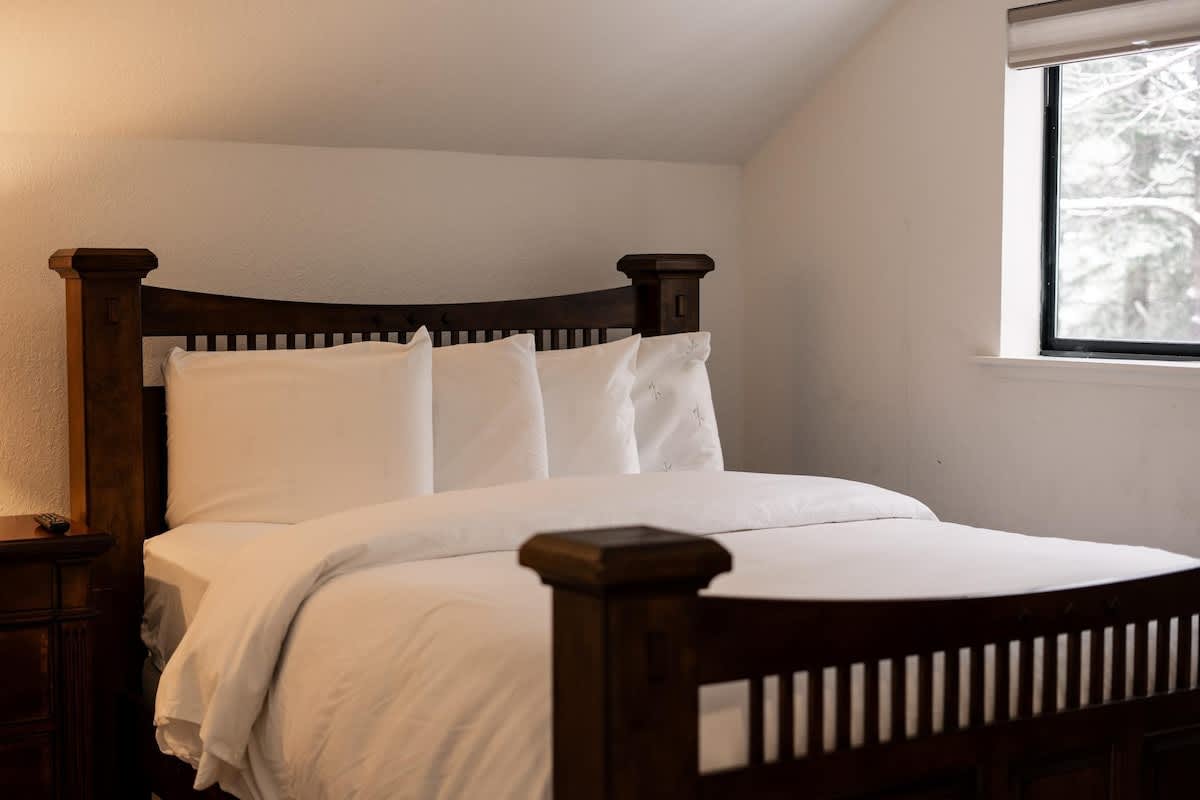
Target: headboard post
x,y
107,478
668,290
104,391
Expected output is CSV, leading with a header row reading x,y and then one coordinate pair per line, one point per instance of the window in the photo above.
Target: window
x,y
1122,226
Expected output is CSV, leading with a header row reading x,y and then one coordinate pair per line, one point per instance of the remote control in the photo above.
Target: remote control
x,y
55,523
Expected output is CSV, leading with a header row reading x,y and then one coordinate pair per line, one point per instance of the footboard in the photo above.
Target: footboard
x,y
1087,692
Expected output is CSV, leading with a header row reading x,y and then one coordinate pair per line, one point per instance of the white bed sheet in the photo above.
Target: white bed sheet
x,y
179,565
398,651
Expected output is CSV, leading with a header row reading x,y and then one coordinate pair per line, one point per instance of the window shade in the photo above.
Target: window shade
x,y
1075,30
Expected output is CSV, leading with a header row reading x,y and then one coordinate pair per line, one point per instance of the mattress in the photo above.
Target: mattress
x,y
179,566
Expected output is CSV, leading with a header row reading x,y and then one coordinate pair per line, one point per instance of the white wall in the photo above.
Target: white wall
x,y
872,254
331,224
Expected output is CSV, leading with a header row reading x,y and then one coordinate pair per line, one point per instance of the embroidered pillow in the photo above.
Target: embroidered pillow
x,y
676,426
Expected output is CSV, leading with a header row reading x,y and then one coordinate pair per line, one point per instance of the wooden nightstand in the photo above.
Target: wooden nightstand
x,y
46,659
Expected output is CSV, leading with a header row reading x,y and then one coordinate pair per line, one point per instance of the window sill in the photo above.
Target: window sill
x,y
1113,371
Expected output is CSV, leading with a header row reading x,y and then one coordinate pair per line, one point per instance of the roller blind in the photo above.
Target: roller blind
x,y
1075,30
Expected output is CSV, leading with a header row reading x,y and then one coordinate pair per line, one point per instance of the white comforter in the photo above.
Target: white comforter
x,y
399,651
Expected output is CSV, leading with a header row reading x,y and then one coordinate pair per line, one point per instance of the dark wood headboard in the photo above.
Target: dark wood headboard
x,y
117,425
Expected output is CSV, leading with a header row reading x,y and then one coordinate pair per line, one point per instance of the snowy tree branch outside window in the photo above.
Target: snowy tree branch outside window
x,y
1128,215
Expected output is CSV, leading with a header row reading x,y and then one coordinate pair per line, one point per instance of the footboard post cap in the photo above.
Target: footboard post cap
x,y
625,558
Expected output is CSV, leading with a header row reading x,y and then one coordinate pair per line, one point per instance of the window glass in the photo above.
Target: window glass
x,y
1128,200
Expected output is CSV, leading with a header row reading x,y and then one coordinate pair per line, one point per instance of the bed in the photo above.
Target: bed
x,y
859,649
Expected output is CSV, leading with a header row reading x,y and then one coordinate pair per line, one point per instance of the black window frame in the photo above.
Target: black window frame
x,y
1052,344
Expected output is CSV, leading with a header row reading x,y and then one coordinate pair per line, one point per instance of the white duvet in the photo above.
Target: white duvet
x,y
399,651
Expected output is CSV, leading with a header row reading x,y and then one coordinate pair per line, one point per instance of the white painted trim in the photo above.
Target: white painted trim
x,y
1119,372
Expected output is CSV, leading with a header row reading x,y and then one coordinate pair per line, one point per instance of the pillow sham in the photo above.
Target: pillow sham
x,y
676,426
488,425
289,435
590,428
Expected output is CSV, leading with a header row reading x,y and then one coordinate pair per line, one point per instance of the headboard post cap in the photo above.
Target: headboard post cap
x,y
644,265
104,262
667,288
622,558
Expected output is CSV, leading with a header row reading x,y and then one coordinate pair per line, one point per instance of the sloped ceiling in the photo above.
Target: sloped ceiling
x,y
680,80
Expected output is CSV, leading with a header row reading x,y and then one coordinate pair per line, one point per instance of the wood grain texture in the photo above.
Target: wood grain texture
x,y
47,694
668,291
107,465
172,312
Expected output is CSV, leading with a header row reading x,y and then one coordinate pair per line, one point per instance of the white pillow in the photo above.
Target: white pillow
x,y
288,435
488,426
676,427
589,411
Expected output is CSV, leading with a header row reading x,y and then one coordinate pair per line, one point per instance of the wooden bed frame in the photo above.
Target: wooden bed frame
x,y
634,640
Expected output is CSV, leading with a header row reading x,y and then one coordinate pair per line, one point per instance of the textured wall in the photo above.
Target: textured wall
x,y
323,224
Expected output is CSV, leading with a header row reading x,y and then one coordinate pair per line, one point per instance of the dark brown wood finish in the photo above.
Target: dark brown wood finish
x,y
668,291
1146,746
118,427
171,312
107,465
617,592
46,695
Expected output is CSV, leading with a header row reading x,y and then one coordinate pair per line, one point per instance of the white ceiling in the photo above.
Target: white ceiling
x,y
680,80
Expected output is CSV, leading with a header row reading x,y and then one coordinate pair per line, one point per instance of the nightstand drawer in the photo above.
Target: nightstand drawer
x,y
26,587
27,768
25,690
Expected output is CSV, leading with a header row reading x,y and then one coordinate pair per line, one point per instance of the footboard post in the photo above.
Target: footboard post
x,y
626,691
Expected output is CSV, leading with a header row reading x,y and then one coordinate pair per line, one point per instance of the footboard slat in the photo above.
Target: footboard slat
x,y
787,716
1096,664
1003,698
1141,659
1162,655
977,686
816,712
1120,661
899,698
756,721
871,722
1049,674
842,739
1074,669
925,694
1025,678
1183,658
950,706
